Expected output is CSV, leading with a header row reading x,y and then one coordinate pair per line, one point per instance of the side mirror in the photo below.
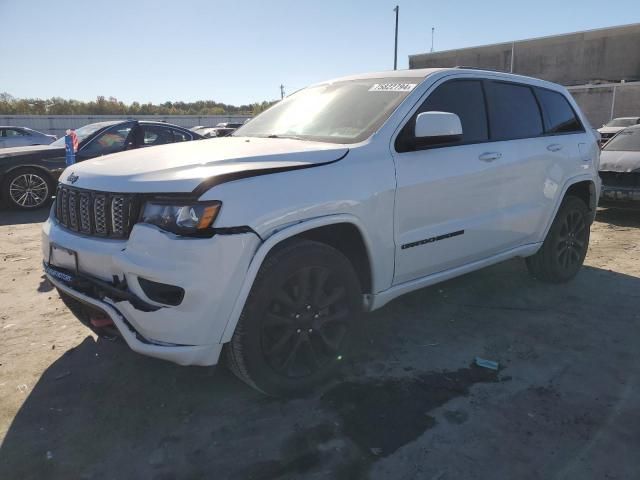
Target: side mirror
x,y
438,127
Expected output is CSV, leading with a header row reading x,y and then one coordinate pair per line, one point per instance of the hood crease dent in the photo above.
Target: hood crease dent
x,y
194,167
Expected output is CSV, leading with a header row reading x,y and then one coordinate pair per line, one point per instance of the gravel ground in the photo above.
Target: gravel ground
x,y
408,403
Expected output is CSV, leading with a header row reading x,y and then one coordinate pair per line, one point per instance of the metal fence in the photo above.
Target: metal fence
x,y
602,102
58,124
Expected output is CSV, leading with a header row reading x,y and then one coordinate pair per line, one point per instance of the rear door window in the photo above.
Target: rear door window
x,y
180,136
513,111
14,132
156,135
558,115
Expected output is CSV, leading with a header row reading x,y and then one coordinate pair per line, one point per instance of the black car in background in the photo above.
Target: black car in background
x,y
28,174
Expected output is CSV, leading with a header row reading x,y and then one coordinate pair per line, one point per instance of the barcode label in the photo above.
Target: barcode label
x,y
392,87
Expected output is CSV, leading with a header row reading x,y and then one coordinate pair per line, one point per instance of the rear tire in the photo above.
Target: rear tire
x,y
297,321
565,247
27,189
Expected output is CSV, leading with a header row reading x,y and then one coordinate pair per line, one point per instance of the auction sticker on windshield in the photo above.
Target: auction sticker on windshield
x,y
392,87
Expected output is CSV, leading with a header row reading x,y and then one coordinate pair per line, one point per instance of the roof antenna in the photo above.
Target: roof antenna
x,y
433,29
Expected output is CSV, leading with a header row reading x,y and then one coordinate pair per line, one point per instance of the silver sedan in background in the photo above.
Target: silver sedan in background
x,y
22,137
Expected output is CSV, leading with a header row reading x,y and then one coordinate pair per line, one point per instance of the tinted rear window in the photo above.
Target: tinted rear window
x,y
513,111
559,117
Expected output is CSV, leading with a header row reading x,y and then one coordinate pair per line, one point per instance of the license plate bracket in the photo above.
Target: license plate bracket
x,y
63,257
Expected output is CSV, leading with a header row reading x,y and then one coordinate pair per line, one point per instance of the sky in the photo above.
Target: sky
x,y
241,51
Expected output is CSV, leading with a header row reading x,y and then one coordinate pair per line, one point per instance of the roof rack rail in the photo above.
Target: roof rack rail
x,y
481,68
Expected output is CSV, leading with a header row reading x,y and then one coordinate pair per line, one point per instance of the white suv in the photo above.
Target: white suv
x,y
266,245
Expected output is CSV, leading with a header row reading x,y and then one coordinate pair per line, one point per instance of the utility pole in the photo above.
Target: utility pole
x,y
433,29
613,103
513,52
281,92
395,52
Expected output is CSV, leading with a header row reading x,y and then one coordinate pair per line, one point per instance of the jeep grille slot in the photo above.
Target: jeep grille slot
x,y
99,214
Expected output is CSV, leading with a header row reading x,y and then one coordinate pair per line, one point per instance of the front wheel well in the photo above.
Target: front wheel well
x,y
347,239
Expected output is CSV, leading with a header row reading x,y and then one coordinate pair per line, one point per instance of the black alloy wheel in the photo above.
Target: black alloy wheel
x,y
298,320
572,239
305,322
565,247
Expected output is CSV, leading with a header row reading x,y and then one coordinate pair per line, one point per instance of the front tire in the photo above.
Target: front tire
x,y
565,247
298,319
27,189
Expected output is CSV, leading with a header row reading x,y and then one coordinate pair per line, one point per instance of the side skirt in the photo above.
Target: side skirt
x,y
377,300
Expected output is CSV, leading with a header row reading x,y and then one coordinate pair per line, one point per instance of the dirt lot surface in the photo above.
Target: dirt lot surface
x,y
408,404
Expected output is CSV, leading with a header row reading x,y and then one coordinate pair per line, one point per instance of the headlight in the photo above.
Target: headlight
x,y
188,219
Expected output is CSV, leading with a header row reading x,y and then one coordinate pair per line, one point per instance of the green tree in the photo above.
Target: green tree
x,y
102,105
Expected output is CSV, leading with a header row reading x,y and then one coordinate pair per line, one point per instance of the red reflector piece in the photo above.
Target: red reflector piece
x,y
101,321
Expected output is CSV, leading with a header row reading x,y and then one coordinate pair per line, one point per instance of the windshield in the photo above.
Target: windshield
x,y
82,133
621,122
626,141
340,112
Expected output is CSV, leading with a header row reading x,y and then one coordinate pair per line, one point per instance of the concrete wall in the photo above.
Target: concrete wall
x,y
58,124
598,101
608,54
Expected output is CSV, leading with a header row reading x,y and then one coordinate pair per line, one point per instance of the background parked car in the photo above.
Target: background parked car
x,y
206,132
22,136
28,174
609,129
227,128
220,130
620,169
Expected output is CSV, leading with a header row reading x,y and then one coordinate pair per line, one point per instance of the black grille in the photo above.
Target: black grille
x,y
620,179
99,214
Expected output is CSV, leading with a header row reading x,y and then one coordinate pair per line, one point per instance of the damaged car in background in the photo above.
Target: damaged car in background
x,y
620,169
611,128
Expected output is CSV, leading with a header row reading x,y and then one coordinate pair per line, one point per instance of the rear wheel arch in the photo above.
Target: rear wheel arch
x,y
582,187
586,191
42,169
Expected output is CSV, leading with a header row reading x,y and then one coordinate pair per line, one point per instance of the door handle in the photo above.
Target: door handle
x,y
554,147
490,156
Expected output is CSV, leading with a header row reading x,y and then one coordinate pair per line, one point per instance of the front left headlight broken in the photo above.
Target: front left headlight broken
x,y
182,218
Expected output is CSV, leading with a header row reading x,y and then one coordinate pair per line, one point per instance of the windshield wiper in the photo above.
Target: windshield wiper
x,y
294,137
274,135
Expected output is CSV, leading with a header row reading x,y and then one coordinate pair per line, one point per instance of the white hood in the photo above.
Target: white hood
x,y
617,161
181,167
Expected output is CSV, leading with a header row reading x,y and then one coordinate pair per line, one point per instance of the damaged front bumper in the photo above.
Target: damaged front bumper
x,y
109,275
180,354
